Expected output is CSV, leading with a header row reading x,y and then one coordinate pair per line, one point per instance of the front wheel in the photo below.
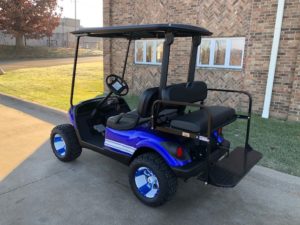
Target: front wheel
x,y
151,179
64,143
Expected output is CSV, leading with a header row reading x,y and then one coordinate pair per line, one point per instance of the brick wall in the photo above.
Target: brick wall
x,y
294,107
287,61
253,20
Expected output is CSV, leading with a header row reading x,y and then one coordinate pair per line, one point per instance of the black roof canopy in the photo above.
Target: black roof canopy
x,y
143,31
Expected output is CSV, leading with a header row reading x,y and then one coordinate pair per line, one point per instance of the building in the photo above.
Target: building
x,y
61,37
237,56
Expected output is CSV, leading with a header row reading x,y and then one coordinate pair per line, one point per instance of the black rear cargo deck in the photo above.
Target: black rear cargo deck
x,y
230,170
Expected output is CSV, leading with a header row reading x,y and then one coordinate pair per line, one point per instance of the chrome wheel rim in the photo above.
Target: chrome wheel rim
x,y
146,182
59,145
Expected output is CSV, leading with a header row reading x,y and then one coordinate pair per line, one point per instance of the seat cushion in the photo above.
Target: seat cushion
x,y
130,120
197,121
125,121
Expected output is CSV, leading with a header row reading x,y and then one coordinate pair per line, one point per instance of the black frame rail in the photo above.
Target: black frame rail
x,y
195,135
240,116
155,116
155,126
170,130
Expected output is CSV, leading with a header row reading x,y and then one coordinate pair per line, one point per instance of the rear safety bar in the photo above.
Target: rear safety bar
x,y
154,125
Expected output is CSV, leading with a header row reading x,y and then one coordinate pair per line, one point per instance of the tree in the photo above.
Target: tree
x,y
29,18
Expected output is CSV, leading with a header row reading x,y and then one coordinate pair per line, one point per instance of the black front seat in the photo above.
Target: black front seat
x,y
130,120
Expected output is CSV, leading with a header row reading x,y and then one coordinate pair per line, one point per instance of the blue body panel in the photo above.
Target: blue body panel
x,y
71,116
129,141
126,142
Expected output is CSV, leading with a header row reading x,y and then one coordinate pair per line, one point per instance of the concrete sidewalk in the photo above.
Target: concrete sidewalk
x,y
95,190
20,135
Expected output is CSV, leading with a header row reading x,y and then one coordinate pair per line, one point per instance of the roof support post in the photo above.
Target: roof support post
x,y
169,39
192,65
125,62
74,70
273,59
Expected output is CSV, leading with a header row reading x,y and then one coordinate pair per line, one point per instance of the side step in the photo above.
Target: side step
x,y
230,170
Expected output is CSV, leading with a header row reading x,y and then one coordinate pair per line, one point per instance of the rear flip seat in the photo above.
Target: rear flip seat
x,y
197,121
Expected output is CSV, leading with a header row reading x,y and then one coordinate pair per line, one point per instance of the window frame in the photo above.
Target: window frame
x,y
154,49
227,53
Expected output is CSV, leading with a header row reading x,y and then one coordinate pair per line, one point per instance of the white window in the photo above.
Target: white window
x,y
148,52
221,53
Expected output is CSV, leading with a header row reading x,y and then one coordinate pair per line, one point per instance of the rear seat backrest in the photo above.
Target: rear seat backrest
x,y
185,92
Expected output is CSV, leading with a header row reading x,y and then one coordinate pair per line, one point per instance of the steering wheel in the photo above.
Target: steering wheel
x,y
117,85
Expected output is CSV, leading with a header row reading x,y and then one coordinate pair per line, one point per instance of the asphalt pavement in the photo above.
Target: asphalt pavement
x,y
94,189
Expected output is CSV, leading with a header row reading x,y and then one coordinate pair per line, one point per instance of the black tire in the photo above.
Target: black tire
x,y
72,149
165,176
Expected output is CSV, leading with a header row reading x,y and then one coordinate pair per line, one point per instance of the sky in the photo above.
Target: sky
x,y
88,11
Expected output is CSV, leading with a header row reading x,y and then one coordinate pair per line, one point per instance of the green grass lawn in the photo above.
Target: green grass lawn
x,y
278,140
51,85
11,53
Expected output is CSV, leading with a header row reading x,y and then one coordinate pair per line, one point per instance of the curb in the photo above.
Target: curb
x,y
280,176
31,105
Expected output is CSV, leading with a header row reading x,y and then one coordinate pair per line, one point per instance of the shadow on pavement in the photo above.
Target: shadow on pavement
x,y
43,113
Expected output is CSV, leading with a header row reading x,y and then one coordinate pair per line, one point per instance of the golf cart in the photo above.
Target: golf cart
x,y
172,133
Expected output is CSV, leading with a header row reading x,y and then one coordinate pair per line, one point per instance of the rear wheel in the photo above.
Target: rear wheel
x,y
64,143
151,179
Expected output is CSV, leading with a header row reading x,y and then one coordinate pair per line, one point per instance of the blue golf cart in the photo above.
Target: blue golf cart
x,y
171,134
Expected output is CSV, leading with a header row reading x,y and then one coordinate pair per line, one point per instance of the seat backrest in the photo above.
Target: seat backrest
x,y
185,92
147,98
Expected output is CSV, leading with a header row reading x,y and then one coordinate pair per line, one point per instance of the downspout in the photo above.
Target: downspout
x,y
273,59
